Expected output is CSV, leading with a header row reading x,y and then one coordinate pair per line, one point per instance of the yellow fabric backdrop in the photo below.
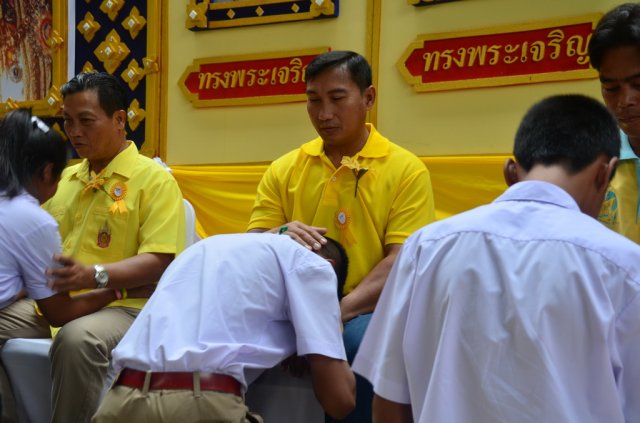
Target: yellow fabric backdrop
x,y
223,195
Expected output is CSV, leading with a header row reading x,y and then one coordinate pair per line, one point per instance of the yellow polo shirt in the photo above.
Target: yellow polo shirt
x,y
149,216
392,200
621,208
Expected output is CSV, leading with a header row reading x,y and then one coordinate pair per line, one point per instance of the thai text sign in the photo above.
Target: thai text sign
x,y
530,53
249,79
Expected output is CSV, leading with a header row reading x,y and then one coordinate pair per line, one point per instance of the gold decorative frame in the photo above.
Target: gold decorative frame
x,y
216,14
50,104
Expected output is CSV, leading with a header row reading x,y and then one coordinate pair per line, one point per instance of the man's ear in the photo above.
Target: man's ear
x,y
120,118
510,172
605,173
370,96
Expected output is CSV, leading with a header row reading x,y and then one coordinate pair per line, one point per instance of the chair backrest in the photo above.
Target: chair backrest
x,y
190,224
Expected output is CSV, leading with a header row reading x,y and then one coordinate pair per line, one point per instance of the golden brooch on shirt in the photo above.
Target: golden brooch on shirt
x,y
343,221
118,192
354,165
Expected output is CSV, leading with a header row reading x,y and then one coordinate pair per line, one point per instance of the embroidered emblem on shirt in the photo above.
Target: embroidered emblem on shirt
x,y
343,223
609,210
118,193
104,236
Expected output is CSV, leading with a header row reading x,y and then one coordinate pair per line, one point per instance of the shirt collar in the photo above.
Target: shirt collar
x,y
375,146
541,192
626,152
122,164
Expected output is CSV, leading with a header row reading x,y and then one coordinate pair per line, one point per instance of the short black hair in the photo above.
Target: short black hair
x,y
111,93
620,27
335,251
27,145
358,67
572,130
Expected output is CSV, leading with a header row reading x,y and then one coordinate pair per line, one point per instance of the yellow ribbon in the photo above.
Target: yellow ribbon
x,y
96,182
118,193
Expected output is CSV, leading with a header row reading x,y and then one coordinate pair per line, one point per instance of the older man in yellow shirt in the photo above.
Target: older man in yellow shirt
x,y
121,219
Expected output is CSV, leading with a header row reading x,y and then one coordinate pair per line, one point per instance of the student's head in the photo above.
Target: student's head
x,y
334,252
614,50
94,111
339,95
567,138
32,156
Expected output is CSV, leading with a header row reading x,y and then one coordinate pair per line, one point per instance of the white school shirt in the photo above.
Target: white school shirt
x,y
236,304
524,310
28,239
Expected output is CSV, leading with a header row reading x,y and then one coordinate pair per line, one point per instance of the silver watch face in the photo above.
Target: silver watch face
x,y
101,276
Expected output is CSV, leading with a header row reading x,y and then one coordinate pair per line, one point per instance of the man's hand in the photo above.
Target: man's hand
x,y
72,276
308,236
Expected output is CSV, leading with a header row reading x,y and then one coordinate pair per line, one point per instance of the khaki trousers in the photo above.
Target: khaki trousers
x,y
17,320
80,357
125,404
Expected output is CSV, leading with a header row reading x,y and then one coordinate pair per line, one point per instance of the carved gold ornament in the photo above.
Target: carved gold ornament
x,y
88,67
111,52
134,22
135,115
54,100
88,27
55,40
197,14
322,7
133,74
111,8
150,65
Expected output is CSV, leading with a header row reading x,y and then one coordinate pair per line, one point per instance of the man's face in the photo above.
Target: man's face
x,y
94,135
337,108
620,85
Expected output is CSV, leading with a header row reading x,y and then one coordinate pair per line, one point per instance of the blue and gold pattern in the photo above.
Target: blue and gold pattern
x,y
609,210
212,14
119,37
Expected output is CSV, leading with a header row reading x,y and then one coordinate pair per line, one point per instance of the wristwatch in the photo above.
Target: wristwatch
x,y
101,276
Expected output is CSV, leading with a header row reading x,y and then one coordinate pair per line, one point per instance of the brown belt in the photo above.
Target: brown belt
x,y
179,380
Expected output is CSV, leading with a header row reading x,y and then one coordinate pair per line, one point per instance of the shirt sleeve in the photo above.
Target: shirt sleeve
x,y
35,255
312,295
412,207
268,211
627,366
380,358
162,226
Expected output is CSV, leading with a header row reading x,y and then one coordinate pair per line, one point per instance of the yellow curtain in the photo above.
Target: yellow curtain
x,y
223,195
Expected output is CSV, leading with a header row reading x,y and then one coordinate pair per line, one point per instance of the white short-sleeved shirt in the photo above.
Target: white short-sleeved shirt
x,y
236,304
524,310
28,239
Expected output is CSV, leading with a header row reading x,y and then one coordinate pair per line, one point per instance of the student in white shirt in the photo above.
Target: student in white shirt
x,y
226,309
522,310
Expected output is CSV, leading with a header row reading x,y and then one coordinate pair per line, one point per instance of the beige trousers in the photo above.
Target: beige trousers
x,y
125,404
80,357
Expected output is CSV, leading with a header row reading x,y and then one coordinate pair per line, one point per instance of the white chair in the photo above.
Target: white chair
x,y
27,365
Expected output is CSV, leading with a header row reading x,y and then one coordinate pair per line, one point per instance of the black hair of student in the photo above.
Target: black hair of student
x,y
335,251
358,67
572,130
25,150
111,93
620,27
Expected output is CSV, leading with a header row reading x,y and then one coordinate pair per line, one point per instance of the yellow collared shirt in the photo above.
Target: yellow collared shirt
x,y
393,198
94,231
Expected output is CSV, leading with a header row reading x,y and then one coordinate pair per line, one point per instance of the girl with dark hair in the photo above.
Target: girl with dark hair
x,y
32,157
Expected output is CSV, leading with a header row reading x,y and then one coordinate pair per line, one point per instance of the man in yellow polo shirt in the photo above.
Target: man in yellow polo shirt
x,y
350,184
614,50
121,220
